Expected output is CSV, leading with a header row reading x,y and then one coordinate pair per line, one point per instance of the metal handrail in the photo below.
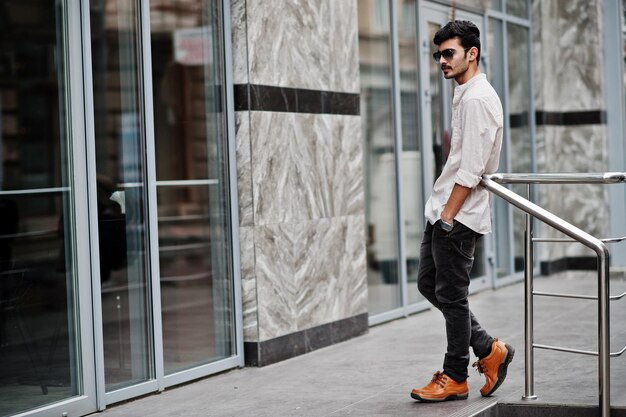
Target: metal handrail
x,y
559,178
492,183
563,240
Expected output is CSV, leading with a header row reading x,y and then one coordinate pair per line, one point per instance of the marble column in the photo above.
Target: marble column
x,y
300,175
570,104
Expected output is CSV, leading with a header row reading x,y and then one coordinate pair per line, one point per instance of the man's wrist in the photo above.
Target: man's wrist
x,y
447,219
447,226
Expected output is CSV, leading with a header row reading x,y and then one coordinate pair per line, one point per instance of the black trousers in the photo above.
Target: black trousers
x,y
446,259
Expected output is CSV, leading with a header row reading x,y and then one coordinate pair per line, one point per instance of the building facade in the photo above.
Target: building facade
x,y
191,186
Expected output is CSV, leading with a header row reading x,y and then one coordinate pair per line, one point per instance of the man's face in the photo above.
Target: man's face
x,y
456,65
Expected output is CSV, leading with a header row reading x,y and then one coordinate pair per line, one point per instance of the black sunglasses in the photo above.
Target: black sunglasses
x,y
447,54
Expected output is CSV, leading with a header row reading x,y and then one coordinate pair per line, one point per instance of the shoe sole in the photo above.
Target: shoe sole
x,y
452,397
502,369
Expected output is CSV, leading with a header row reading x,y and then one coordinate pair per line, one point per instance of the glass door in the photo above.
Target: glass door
x,y
46,349
191,153
123,236
162,173
436,101
377,118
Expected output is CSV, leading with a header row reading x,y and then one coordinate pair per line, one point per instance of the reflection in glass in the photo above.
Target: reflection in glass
x,y
379,155
38,321
519,111
191,161
501,208
122,223
439,90
411,159
517,8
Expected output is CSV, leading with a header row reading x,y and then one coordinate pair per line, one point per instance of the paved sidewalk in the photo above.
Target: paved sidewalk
x,y
372,375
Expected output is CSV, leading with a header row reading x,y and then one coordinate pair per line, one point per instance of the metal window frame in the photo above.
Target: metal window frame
x,y
506,19
613,40
85,402
90,262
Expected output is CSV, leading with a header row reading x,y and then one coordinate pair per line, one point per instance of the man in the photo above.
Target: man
x,y
458,213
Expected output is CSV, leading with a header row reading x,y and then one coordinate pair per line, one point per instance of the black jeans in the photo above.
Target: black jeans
x,y
446,259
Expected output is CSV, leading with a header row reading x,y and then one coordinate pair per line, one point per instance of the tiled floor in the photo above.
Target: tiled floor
x,y
372,375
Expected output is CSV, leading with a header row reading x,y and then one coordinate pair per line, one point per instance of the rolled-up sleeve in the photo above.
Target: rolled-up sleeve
x,y
478,133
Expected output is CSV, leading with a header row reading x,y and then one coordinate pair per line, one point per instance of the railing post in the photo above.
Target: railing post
x,y
529,365
604,346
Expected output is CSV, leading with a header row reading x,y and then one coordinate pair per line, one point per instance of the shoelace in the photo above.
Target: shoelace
x,y
479,367
440,379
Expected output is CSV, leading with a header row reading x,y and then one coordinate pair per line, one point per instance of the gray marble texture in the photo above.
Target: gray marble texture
x,y
309,273
330,270
248,284
296,43
300,184
568,76
300,176
276,287
244,172
239,41
305,166
573,149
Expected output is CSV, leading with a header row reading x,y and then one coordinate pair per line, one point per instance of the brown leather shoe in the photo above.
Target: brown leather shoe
x,y
441,388
494,366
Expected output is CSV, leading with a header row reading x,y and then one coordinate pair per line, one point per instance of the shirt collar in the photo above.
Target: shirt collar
x,y
460,89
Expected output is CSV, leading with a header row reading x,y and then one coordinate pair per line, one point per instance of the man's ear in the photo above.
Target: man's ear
x,y
473,53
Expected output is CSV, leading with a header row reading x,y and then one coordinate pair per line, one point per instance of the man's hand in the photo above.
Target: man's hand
x,y
455,202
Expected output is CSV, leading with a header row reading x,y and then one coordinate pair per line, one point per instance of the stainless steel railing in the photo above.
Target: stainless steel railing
x,y
492,183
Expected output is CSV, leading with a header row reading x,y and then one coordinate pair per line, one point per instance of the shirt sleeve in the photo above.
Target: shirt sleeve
x,y
478,135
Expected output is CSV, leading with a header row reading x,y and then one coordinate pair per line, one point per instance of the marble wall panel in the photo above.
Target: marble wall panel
x,y
239,41
248,284
352,283
244,168
328,166
272,147
568,75
305,166
330,270
344,46
275,274
347,181
288,43
573,149
317,245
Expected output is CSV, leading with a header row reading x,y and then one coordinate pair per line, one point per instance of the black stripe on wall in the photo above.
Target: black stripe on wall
x,y
591,117
294,100
304,341
577,263
545,118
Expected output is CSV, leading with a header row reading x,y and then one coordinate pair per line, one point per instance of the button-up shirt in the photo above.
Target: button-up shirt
x,y
475,150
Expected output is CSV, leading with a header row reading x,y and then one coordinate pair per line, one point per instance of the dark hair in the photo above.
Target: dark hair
x,y
466,31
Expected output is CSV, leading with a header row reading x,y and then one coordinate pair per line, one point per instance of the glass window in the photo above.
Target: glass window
x,y
411,157
38,319
501,207
379,155
121,185
624,37
519,122
517,8
191,168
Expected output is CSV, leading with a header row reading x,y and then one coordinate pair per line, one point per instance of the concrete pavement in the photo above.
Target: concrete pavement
x,y
373,375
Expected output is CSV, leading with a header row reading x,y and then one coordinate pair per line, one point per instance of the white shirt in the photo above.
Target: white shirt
x,y
475,150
